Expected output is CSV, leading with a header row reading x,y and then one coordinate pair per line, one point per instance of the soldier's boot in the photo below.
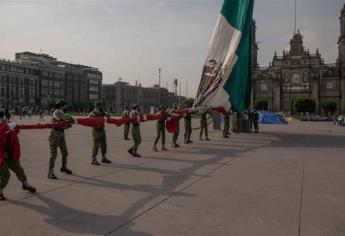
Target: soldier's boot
x,y
154,148
164,148
64,169
207,139
105,160
51,174
189,141
136,155
27,186
177,145
94,161
130,151
2,197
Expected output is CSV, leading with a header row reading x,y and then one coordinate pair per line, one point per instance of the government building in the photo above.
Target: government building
x,y
300,73
119,94
40,79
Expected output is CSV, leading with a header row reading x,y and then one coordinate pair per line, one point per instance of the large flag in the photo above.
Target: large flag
x,y
226,76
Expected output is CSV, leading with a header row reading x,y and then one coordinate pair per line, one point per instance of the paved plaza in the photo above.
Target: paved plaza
x,y
286,180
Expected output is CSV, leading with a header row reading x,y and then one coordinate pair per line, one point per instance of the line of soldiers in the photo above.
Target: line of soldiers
x,y
57,139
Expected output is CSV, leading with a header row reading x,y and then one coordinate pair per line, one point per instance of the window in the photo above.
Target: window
x,y
263,87
329,85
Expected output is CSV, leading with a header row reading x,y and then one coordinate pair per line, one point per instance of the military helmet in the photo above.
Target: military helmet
x,y
98,104
174,105
60,103
135,106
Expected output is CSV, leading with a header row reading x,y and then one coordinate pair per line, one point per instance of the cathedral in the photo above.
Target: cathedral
x,y
300,73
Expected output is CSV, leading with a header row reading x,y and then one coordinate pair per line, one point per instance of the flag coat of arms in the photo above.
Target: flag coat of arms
x,y
226,76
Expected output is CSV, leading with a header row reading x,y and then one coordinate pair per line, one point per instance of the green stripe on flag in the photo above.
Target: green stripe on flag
x,y
239,15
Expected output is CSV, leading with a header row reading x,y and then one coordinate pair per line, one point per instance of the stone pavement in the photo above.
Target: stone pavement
x,y
287,180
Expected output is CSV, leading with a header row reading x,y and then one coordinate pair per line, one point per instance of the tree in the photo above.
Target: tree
x,y
329,106
304,104
261,104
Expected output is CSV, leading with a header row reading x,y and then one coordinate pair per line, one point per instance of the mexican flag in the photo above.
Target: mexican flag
x,y
226,76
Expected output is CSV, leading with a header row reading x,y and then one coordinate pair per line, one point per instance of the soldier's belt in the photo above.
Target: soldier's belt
x,y
100,129
58,129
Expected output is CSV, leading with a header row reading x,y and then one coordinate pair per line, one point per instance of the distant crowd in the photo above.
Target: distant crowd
x,y
22,112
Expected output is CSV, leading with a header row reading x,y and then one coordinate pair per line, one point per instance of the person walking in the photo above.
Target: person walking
x,y
161,128
99,136
40,111
125,115
135,131
57,140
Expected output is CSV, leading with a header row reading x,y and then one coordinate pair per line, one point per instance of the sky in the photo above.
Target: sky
x,y
131,39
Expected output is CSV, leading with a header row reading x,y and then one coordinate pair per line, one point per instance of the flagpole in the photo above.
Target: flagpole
x,y
295,25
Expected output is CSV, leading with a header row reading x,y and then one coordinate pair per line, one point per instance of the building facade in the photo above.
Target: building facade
x,y
18,83
39,80
116,96
300,73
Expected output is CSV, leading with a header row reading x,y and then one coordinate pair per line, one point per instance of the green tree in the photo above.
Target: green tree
x,y
304,104
329,106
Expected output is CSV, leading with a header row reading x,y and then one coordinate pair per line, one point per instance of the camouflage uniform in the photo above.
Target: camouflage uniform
x,y
57,140
126,114
10,164
226,128
99,137
187,127
161,129
177,131
203,124
135,131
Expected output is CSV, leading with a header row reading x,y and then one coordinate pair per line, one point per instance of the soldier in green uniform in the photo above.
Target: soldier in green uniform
x,y
203,123
226,128
57,140
187,127
125,114
256,120
161,128
9,163
135,131
235,122
177,131
99,136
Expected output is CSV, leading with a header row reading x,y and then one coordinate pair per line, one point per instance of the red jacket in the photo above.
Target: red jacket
x,y
3,130
9,142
